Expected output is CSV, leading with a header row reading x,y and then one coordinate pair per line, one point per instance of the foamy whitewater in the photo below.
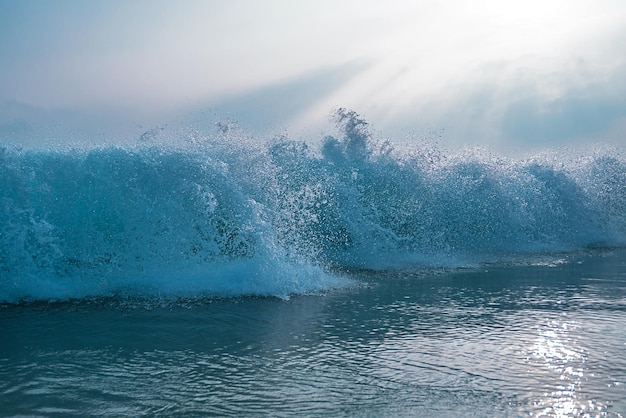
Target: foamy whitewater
x,y
223,215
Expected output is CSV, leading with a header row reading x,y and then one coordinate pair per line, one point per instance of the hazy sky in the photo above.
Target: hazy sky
x,y
492,72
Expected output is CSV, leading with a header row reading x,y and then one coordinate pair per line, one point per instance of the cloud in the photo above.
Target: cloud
x,y
277,104
161,55
485,73
567,119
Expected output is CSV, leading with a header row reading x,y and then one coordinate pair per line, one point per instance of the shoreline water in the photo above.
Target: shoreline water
x,y
497,340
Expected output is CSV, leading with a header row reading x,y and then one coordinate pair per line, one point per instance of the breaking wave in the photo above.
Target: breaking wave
x,y
224,215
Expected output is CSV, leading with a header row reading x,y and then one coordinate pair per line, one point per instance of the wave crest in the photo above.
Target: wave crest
x,y
237,218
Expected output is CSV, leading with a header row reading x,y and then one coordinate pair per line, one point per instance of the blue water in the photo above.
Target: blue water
x,y
224,215
543,339
220,274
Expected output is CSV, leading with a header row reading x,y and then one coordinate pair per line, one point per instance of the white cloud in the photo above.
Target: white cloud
x,y
453,64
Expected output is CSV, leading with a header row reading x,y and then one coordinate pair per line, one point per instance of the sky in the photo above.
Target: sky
x,y
494,73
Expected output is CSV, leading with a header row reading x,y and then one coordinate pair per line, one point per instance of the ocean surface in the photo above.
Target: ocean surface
x,y
222,275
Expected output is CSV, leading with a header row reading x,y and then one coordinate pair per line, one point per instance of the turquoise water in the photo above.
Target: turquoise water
x,y
225,216
542,339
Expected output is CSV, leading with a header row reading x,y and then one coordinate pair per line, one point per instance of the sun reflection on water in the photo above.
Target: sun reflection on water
x,y
559,353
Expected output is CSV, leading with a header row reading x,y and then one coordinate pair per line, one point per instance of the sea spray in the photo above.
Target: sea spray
x,y
225,214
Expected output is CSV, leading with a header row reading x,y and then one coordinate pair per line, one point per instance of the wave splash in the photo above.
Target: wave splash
x,y
226,216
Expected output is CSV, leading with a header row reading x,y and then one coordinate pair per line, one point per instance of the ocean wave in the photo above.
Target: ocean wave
x,y
225,215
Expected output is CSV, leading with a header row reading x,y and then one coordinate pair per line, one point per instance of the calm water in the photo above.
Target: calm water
x,y
544,339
